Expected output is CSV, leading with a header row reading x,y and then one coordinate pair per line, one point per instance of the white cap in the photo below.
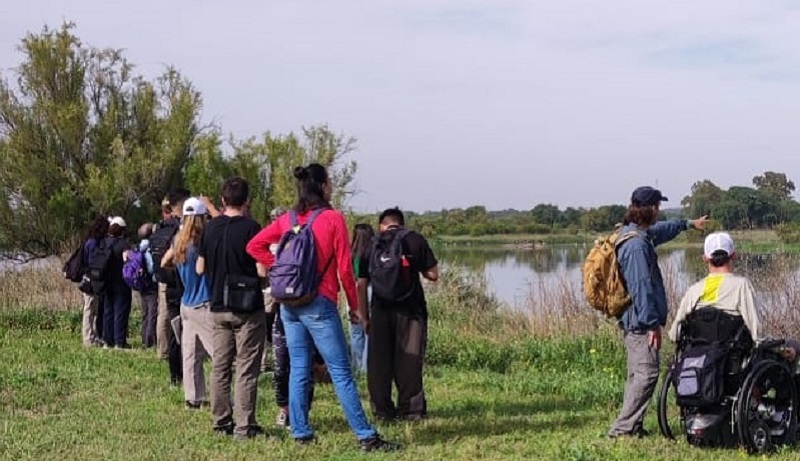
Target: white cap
x,y
718,241
193,206
118,221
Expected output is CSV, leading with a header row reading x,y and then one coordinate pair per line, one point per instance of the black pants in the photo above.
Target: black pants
x,y
174,353
396,351
116,313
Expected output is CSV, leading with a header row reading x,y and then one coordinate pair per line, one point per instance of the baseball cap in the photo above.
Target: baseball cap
x,y
193,206
118,221
647,196
718,241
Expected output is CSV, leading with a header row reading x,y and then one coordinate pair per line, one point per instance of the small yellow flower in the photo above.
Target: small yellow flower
x,y
592,351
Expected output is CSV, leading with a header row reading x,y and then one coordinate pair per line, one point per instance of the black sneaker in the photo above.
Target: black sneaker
x,y
196,404
252,431
304,440
224,430
376,443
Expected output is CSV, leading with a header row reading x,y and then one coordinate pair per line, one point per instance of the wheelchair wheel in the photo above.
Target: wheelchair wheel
x,y
670,415
766,413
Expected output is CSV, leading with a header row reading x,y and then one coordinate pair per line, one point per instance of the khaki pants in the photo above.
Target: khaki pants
x,y
88,332
643,366
195,347
236,338
162,323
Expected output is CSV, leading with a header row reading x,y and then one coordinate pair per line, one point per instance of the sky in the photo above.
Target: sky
x,y
500,103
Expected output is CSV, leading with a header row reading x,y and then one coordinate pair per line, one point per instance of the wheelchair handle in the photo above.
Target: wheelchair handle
x,y
771,343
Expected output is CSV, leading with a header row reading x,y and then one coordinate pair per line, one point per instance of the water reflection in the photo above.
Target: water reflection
x,y
511,272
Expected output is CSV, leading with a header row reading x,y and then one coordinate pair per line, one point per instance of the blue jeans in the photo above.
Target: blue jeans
x,y
358,347
318,323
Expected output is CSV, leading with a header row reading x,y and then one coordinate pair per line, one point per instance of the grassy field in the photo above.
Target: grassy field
x,y
552,400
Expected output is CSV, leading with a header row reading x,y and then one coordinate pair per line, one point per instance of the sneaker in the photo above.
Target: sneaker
x,y
376,443
224,430
304,440
122,347
282,418
197,404
252,431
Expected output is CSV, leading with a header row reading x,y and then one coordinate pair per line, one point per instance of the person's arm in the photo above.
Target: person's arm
x,y
166,260
664,231
685,307
258,246
747,307
210,207
363,303
429,266
344,263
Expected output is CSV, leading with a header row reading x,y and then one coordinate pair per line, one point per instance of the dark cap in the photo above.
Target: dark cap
x,y
647,196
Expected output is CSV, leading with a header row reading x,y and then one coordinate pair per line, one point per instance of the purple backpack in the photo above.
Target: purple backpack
x,y
135,274
293,278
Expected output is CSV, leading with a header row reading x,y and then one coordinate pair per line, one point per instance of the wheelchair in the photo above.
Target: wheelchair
x,y
757,409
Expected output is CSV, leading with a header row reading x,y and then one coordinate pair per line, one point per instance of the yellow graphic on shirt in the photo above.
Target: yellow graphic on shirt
x,y
711,288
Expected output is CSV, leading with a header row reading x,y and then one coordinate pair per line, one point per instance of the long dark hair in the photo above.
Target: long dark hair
x,y
98,229
311,182
640,215
362,235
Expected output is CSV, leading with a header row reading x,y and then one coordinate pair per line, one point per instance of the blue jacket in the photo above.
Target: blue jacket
x,y
639,266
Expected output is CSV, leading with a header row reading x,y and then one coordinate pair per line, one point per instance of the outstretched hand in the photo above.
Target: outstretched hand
x,y
699,223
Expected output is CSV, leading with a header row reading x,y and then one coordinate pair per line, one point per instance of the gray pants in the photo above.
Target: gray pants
x,y
196,347
237,343
643,366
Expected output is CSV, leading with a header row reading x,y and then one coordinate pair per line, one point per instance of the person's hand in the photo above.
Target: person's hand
x,y
699,223
788,353
654,338
355,318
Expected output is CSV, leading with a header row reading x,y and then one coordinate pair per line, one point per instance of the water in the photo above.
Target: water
x,y
512,274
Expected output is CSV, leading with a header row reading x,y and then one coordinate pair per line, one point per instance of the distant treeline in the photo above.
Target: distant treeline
x,y
766,205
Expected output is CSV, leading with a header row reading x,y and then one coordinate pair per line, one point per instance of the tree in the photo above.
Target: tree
x,y
702,199
546,214
80,134
775,183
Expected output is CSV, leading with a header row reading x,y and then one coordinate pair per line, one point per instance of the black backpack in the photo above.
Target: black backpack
x,y
390,272
74,267
98,265
700,374
160,242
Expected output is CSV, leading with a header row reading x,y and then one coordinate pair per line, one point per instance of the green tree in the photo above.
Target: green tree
x,y
702,199
81,134
546,214
775,183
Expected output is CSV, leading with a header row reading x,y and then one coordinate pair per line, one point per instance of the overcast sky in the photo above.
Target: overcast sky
x,y
498,103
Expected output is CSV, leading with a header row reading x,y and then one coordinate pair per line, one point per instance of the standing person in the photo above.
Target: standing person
x,y
238,327
117,293
362,238
148,298
195,315
641,323
271,308
318,323
98,229
169,290
397,324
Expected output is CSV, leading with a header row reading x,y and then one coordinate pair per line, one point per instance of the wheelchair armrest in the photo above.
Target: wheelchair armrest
x,y
770,344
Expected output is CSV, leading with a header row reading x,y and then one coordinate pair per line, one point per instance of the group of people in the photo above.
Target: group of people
x,y
642,322
210,298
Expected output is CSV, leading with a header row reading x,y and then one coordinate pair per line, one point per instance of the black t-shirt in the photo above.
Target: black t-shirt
x,y
239,262
118,246
421,259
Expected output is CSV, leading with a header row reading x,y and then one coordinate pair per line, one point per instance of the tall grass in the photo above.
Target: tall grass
x,y
37,287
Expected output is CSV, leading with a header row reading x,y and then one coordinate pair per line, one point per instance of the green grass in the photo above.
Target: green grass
x,y
524,399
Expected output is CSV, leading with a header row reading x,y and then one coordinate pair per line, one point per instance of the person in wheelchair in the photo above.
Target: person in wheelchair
x,y
725,366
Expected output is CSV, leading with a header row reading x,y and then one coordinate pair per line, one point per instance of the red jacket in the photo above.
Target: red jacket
x,y
330,232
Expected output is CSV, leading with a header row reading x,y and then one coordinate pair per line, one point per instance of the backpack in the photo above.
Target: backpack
x,y
98,265
160,241
134,272
74,267
390,274
699,375
293,278
603,284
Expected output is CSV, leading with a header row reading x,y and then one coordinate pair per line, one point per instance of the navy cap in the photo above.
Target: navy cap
x,y
647,196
